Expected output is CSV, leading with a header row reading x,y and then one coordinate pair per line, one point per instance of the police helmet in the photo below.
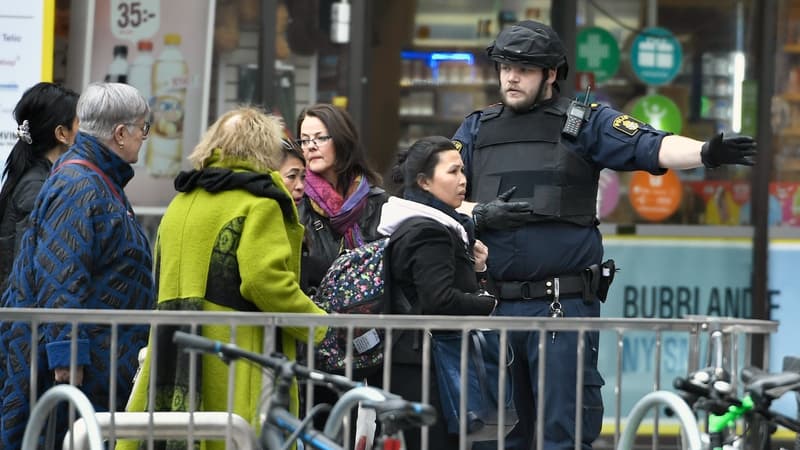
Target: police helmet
x,y
530,43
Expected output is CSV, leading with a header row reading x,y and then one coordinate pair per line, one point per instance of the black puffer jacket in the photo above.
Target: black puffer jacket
x,y
15,217
324,242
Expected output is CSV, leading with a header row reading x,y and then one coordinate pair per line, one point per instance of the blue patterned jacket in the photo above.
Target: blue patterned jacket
x,y
83,249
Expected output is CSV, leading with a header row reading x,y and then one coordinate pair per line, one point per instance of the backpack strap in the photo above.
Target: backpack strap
x,y
397,301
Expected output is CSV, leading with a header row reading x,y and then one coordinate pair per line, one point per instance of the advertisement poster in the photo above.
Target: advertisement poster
x,y
784,203
26,58
163,49
722,202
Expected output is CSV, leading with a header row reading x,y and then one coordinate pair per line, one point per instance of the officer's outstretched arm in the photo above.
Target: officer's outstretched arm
x,y
680,152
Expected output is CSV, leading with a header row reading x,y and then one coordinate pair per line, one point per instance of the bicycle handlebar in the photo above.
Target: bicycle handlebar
x,y
393,411
398,414
282,366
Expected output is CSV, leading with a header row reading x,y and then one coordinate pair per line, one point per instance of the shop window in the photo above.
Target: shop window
x,y
696,85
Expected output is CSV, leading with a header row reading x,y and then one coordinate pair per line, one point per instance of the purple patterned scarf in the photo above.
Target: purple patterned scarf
x,y
344,213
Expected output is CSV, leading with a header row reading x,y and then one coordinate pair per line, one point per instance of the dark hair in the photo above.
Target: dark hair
x,y
420,159
290,149
351,157
45,106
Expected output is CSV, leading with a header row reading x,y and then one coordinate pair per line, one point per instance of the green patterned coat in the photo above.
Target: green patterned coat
x,y
220,247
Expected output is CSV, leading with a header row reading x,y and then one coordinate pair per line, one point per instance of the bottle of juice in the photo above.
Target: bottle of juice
x,y
169,81
141,70
139,76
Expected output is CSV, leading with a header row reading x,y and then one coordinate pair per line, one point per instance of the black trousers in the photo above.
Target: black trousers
x,y
407,383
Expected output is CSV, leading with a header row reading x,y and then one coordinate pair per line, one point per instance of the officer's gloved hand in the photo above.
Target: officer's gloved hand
x,y
499,214
736,150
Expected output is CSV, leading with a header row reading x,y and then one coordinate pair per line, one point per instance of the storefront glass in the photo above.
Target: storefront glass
x,y
784,192
681,66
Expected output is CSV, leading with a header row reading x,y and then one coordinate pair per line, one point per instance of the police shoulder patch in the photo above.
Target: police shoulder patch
x,y
627,124
458,145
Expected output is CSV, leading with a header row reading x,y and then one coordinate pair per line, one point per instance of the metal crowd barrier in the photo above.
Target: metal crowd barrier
x,y
48,402
739,330
165,425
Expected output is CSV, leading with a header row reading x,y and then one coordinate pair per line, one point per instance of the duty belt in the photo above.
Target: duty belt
x,y
566,285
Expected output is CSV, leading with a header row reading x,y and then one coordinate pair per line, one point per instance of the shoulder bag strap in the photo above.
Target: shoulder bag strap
x,y
96,170
479,342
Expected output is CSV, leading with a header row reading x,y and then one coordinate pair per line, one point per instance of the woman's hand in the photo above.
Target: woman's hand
x,y
480,252
62,375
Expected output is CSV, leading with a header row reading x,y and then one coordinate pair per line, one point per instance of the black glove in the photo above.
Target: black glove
x,y
498,214
736,150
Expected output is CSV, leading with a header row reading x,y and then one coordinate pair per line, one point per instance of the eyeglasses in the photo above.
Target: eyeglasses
x,y
317,141
145,128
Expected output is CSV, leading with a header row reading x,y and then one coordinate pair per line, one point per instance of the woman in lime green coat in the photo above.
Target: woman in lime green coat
x,y
229,241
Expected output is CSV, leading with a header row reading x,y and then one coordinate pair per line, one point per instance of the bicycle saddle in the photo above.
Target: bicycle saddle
x,y
770,385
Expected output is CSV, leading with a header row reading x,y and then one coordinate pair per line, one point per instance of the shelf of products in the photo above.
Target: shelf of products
x,y
437,89
718,86
786,106
445,73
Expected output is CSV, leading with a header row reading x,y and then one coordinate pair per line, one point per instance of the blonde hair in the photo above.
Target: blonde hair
x,y
242,134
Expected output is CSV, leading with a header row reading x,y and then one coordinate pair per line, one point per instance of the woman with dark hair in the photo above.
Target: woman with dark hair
x,y
293,174
84,249
46,126
342,201
435,262
293,170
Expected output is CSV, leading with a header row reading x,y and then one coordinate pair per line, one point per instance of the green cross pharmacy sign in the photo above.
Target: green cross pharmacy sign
x,y
597,52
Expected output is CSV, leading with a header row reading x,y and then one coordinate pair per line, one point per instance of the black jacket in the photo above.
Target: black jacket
x,y
325,243
15,217
433,269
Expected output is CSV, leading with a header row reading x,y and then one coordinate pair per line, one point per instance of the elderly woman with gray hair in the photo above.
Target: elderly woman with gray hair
x,y
83,249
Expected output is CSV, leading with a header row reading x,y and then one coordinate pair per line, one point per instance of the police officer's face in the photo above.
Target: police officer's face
x,y
519,85
448,183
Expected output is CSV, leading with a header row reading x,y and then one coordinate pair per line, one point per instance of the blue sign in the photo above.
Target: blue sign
x,y
703,277
656,56
644,289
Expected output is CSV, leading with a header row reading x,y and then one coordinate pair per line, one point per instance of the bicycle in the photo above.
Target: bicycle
x,y
710,390
280,428
702,392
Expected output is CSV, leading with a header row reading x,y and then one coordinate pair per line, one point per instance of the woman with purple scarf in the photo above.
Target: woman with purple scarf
x,y
342,204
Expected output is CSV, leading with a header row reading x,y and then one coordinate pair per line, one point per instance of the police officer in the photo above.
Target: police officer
x,y
532,166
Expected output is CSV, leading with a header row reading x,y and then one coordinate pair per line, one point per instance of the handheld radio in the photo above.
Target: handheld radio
x,y
577,113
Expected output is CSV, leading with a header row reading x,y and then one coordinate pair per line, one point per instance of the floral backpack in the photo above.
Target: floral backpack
x,y
354,284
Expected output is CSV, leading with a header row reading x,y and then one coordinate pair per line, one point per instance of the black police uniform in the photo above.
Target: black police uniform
x,y
558,175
